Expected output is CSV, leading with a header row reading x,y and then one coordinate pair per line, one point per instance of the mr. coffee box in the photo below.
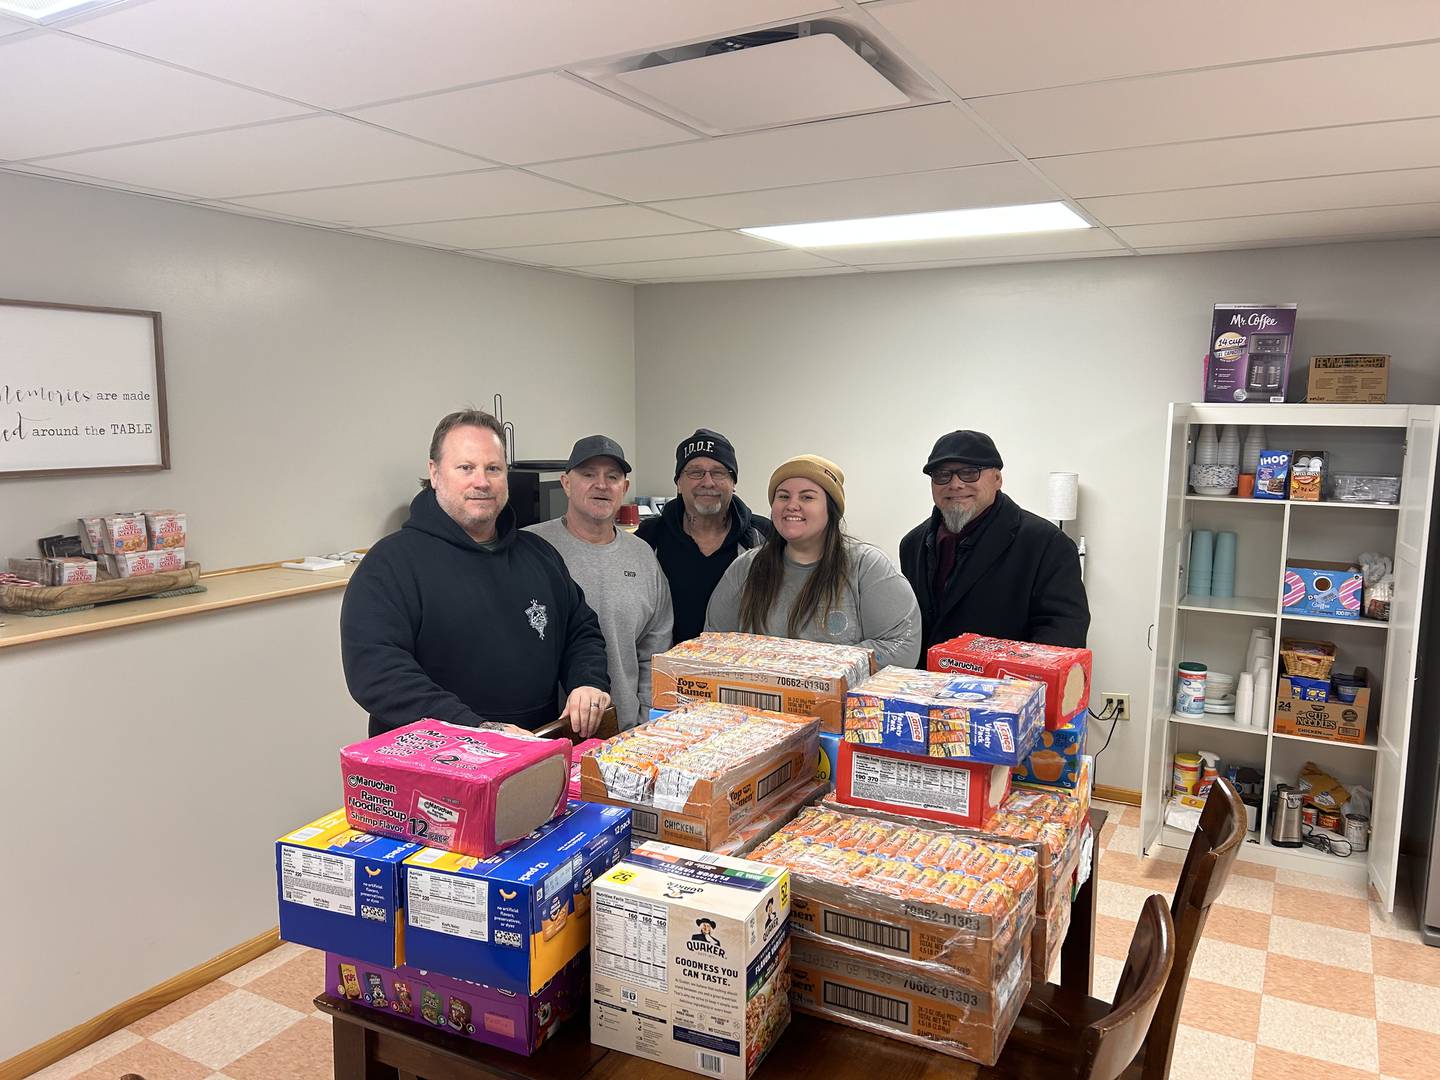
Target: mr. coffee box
x,y
690,959
1248,358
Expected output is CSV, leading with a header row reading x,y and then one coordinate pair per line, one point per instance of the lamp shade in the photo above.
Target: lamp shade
x,y
1064,496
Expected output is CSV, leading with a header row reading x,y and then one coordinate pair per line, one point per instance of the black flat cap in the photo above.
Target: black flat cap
x,y
593,446
966,447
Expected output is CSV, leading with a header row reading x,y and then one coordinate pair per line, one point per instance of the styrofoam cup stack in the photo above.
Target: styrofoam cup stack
x,y
1244,699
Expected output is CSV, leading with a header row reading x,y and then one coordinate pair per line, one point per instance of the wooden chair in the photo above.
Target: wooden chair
x,y
1051,1011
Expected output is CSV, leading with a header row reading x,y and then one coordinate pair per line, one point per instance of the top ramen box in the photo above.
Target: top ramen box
x,y
457,788
802,678
514,920
699,775
690,959
340,890
935,714
1065,672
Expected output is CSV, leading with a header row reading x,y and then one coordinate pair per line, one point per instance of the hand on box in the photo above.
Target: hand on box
x,y
584,709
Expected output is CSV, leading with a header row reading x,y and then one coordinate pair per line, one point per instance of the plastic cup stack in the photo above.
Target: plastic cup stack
x,y
1222,577
1202,557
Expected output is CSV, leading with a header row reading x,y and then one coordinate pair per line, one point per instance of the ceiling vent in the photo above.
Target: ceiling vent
x,y
766,78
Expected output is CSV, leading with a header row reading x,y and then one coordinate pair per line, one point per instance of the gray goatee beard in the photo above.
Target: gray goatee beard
x,y
957,519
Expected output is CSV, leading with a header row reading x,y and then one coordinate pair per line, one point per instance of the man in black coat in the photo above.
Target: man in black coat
x,y
461,616
982,565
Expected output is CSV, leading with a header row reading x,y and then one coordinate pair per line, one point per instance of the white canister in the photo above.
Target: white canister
x,y
1190,689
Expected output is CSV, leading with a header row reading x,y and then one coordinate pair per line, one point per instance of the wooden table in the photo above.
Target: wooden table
x,y
371,1045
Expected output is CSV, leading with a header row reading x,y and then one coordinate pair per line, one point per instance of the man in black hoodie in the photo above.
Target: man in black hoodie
x,y
698,534
460,616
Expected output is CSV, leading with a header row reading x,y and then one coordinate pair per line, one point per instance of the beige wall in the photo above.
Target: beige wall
x,y
1069,365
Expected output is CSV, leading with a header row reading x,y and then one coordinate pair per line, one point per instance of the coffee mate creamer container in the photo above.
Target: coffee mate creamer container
x,y
690,959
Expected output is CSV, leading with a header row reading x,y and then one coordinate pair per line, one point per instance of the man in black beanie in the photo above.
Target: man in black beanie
x,y
699,533
982,565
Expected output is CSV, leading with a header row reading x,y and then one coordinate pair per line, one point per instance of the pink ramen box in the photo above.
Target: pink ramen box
x,y
1249,354
461,789
581,749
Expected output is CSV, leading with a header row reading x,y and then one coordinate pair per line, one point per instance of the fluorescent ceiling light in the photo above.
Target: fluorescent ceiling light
x,y
941,225
44,11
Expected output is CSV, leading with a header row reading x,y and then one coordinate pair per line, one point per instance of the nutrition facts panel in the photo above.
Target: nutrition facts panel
x,y
925,787
630,940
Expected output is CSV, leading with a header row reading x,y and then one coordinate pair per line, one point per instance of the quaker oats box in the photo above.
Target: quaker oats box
x,y
1248,356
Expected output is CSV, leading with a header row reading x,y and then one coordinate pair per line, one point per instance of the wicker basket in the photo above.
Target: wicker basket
x,y
1307,659
66,597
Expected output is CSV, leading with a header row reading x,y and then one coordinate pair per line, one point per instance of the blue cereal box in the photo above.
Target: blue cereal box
x,y
340,890
825,767
512,921
1056,759
946,715
1272,475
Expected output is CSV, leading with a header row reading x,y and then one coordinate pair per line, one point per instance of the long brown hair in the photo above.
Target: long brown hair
x,y
829,579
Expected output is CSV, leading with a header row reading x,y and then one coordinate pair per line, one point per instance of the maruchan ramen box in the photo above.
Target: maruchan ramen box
x,y
908,1002
961,905
801,678
512,921
946,715
340,890
690,959
941,789
520,1023
699,775
1064,672
458,788
1057,757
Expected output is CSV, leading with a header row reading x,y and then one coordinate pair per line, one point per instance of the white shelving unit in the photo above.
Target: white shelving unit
x,y
1381,439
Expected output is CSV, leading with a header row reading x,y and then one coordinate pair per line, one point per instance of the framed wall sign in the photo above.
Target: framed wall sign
x,y
82,390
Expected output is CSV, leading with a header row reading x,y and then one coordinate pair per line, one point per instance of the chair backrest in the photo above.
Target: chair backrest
x,y
1208,863
1110,1044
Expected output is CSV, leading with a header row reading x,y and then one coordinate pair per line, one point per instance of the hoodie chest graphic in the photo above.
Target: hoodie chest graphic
x,y
538,616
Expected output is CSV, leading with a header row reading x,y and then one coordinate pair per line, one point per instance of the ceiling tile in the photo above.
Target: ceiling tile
x,y
1007,183
524,120
375,51
755,263
599,252
78,95
1421,219
1403,144
977,247
1274,197
43,169
906,140
318,151
998,46
433,198
564,226
1322,91
10,26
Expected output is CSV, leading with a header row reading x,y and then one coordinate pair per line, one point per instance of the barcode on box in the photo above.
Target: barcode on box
x,y
712,1063
895,938
645,822
749,699
867,1004
774,781
301,835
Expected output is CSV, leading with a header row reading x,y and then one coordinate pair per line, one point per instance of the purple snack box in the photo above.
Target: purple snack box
x,y
510,1021
1248,357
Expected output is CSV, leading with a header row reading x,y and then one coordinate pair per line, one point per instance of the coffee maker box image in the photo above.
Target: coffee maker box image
x,y
1248,356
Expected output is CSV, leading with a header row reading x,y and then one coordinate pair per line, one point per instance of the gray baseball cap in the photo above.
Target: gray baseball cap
x,y
593,446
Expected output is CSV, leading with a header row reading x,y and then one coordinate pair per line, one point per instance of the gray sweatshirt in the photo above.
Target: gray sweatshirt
x,y
878,610
623,583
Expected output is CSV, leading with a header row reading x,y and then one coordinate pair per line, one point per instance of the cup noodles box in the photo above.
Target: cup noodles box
x,y
941,789
909,1002
960,905
143,563
519,1023
1335,720
699,775
1249,352
689,959
166,528
72,570
340,890
1064,672
802,678
454,787
123,533
1332,589
1057,755
512,921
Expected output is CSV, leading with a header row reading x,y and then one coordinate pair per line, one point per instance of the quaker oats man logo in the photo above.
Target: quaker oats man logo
x,y
538,617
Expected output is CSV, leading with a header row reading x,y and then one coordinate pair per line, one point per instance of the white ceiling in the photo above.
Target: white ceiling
x,y
486,128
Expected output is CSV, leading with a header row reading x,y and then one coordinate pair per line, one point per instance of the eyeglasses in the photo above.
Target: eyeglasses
x,y
696,475
968,474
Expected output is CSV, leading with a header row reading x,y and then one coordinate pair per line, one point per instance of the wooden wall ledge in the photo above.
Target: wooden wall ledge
x,y
223,589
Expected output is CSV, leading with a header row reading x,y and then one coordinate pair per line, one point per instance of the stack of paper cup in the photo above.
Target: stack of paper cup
x,y
1264,701
1244,699
1260,650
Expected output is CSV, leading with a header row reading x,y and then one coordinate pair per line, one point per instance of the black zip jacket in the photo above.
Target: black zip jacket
x,y
435,625
1020,580
693,576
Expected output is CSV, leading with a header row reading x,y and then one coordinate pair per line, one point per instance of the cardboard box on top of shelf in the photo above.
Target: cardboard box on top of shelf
x,y
1352,379
1332,721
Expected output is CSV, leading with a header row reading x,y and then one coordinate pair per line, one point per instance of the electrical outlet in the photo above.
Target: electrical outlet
x,y
1115,706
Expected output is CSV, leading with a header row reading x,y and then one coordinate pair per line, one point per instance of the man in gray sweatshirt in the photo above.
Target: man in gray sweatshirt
x,y
618,571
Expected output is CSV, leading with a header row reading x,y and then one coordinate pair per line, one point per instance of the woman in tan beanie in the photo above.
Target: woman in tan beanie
x,y
811,581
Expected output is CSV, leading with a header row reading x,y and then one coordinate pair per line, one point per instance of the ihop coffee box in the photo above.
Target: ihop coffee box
x,y
1248,358
512,921
340,890
1331,589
